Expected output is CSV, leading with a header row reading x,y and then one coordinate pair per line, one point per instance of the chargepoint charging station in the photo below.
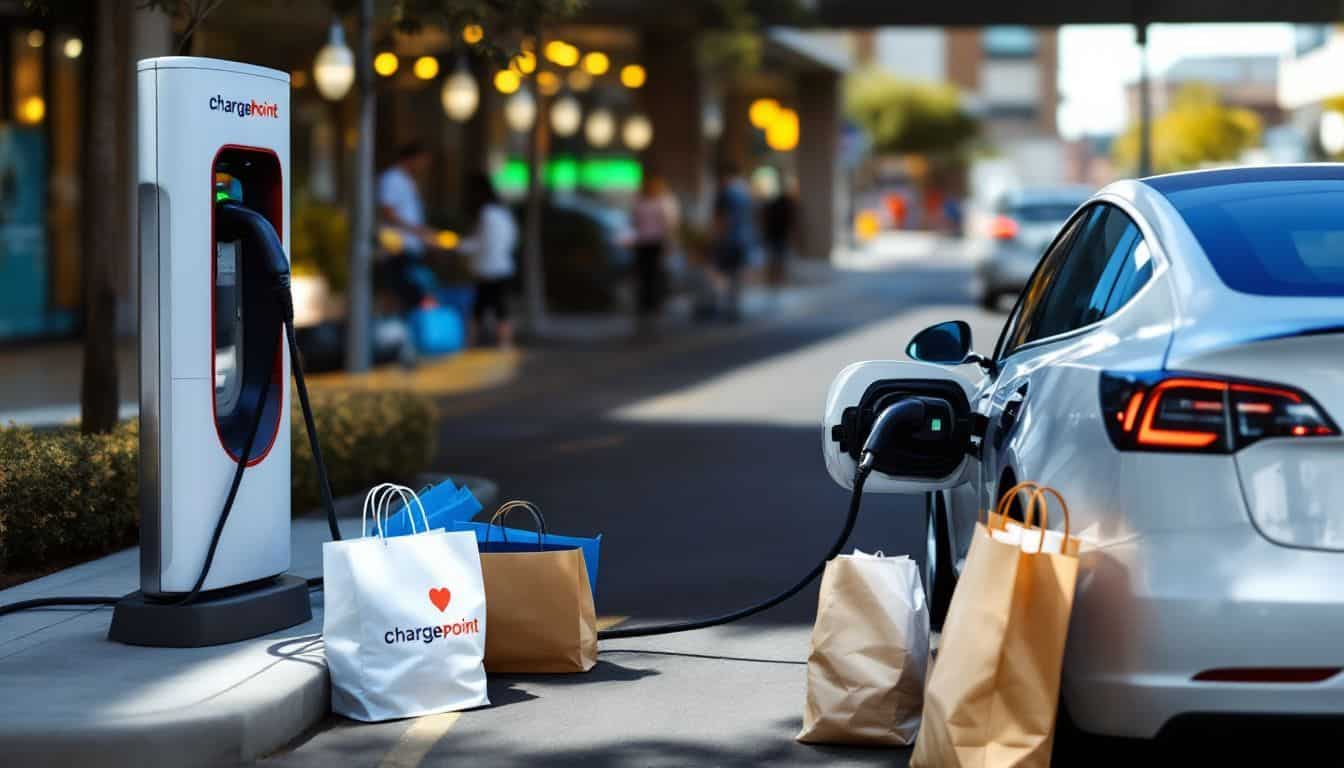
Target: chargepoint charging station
x,y
214,370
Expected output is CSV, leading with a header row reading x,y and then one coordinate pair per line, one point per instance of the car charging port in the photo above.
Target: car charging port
x,y
935,449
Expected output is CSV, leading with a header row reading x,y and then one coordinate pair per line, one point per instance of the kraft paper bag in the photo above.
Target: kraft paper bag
x,y
993,694
870,646
539,607
404,626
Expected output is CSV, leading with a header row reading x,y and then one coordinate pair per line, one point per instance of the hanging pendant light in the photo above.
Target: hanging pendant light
x,y
637,133
334,66
600,127
520,110
460,95
566,116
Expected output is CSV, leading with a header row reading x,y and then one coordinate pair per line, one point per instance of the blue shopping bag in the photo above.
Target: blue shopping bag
x,y
437,330
445,506
497,538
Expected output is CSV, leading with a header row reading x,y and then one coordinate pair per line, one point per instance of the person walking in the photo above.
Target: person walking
x,y
779,222
490,249
654,218
733,235
402,210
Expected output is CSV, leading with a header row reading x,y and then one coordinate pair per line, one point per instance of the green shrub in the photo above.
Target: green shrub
x,y
366,438
65,496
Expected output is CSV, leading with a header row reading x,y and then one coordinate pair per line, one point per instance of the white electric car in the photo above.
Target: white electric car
x,y
1175,367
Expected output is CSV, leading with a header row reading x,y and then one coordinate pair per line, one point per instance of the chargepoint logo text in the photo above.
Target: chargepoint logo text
x,y
431,633
248,108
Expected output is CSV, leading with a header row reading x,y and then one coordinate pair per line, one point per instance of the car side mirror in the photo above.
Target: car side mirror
x,y
946,344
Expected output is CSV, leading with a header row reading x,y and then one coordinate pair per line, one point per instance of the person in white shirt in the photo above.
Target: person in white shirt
x,y
655,219
490,249
399,204
401,208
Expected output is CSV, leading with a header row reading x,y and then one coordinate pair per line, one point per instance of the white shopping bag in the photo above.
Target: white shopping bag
x,y
404,624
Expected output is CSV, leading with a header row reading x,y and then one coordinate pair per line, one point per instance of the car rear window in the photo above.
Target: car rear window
x,y
1272,238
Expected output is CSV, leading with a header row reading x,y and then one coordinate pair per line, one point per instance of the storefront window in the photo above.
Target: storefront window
x,y
1004,41
40,144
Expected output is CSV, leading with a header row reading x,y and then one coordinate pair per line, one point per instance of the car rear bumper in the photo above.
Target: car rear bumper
x,y
1154,612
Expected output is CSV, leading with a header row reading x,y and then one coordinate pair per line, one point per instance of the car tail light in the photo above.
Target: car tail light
x,y
1003,228
1195,413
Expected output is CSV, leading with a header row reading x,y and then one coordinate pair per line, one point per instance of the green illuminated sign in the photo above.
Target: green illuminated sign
x,y
602,174
936,425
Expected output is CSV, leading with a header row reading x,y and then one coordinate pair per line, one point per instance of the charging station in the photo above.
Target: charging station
x,y
214,369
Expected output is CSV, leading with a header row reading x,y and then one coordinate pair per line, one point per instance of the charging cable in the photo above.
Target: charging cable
x,y
903,416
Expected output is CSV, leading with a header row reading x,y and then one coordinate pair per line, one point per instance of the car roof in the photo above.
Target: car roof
x,y
1179,182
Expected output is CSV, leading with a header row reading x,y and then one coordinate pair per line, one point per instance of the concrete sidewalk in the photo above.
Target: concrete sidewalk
x,y
87,701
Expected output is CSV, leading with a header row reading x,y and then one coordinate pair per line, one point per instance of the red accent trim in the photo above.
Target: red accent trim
x,y
1267,675
1149,435
1132,412
277,373
1296,398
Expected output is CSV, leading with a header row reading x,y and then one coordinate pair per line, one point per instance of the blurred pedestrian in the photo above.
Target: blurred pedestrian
x,y
779,222
733,235
401,212
654,218
490,248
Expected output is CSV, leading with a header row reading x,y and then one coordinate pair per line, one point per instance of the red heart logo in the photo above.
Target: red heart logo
x,y
440,597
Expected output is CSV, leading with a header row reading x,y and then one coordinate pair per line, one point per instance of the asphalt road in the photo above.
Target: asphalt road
x,y
697,457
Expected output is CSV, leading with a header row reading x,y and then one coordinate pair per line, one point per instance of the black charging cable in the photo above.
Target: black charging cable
x,y
902,415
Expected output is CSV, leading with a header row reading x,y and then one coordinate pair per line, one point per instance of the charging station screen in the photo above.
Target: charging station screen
x,y
228,311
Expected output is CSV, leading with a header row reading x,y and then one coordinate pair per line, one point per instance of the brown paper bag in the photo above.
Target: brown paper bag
x,y
539,614
870,645
992,697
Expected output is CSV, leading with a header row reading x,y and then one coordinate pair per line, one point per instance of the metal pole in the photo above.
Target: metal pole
x,y
534,275
1145,103
358,341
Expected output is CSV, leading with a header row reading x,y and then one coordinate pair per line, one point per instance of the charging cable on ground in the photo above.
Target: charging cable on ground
x,y
256,231
904,415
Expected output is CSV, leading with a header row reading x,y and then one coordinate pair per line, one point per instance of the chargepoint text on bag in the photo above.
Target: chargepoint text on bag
x,y
430,634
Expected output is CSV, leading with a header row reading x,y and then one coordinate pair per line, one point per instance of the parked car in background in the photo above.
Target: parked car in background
x,y
1021,227
583,254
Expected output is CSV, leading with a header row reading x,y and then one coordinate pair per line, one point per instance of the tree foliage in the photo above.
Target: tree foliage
x,y
1197,130
906,117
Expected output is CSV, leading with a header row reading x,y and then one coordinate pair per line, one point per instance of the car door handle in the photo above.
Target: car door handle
x,y
1012,409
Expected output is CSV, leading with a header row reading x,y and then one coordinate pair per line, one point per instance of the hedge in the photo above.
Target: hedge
x,y
66,497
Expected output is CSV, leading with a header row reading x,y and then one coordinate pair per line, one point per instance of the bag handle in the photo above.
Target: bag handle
x,y
1001,508
509,506
1039,495
373,497
381,497
407,496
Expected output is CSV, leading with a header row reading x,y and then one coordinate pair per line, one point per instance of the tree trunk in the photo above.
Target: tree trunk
x,y
358,343
534,276
105,241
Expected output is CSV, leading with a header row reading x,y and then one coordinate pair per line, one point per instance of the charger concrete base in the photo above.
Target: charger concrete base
x,y
250,611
